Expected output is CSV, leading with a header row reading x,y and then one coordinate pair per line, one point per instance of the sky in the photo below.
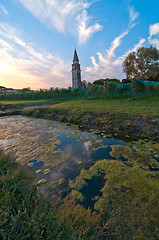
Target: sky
x,y
38,39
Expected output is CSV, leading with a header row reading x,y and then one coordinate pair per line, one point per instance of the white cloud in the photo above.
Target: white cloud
x,y
154,35
3,10
118,40
94,63
120,59
110,67
108,64
138,45
64,16
155,42
133,14
116,43
154,29
22,65
84,32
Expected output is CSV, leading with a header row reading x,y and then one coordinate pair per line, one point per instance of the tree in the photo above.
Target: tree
x,y
143,64
129,65
110,80
157,77
1,87
26,89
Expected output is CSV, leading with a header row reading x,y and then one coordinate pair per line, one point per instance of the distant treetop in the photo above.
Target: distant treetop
x,y
26,89
1,87
110,80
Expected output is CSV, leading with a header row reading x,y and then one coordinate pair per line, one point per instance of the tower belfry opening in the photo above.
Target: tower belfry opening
x,y
76,72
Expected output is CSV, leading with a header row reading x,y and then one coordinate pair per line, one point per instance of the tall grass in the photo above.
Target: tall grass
x,y
25,215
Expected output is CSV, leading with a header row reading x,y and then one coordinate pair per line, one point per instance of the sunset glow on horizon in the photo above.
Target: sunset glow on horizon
x,y
37,41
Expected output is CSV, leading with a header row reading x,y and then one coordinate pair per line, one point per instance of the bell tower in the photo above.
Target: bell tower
x,y
76,72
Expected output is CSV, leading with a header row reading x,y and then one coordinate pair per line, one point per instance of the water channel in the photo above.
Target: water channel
x,y
52,150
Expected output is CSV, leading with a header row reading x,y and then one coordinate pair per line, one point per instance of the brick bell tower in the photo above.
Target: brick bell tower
x,y
76,72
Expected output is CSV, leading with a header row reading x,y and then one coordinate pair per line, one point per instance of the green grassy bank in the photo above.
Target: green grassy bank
x,y
13,105
137,117
25,215
139,106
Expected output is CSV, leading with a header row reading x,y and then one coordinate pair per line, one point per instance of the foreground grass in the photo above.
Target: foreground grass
x,y
24,215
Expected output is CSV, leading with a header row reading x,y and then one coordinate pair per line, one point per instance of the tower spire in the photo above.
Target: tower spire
x,y
76,72
75,57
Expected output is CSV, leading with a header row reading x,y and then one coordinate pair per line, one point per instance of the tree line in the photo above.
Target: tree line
x,y
142,64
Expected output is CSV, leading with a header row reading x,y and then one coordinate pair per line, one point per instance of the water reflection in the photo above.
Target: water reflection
x,y
40,144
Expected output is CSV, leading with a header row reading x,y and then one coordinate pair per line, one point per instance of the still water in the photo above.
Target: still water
x,y
58,149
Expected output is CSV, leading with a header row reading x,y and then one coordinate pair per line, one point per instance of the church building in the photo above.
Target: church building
x,y
76,72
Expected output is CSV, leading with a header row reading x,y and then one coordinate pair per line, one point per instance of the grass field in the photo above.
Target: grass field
x,y
20,104
138,106
24,103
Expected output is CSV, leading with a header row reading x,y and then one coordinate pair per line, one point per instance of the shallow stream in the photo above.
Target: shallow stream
x,y
53,150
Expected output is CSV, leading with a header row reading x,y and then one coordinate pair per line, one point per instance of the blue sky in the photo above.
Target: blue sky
x,y
38,38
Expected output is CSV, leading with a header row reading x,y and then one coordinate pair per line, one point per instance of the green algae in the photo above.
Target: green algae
x,y
46,171
42,181
141,154
57,184
32,139
130,193
36,141
129,198
80,163
77,195
99,141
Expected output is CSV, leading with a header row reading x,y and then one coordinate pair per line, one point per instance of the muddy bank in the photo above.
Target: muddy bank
x,y
125,125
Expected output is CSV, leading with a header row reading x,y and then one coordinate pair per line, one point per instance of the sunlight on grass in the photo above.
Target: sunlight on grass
x,y
141,105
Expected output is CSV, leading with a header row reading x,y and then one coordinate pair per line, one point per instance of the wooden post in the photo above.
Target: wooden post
x,y
84,89
52,95
106,88
133,89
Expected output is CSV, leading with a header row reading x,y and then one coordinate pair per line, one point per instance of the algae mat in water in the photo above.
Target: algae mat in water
x,y
128,194
29,139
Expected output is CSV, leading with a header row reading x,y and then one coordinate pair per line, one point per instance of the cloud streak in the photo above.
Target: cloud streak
x,y
116,43
108,65
64,16
3,10
22,65
85,32
133,14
